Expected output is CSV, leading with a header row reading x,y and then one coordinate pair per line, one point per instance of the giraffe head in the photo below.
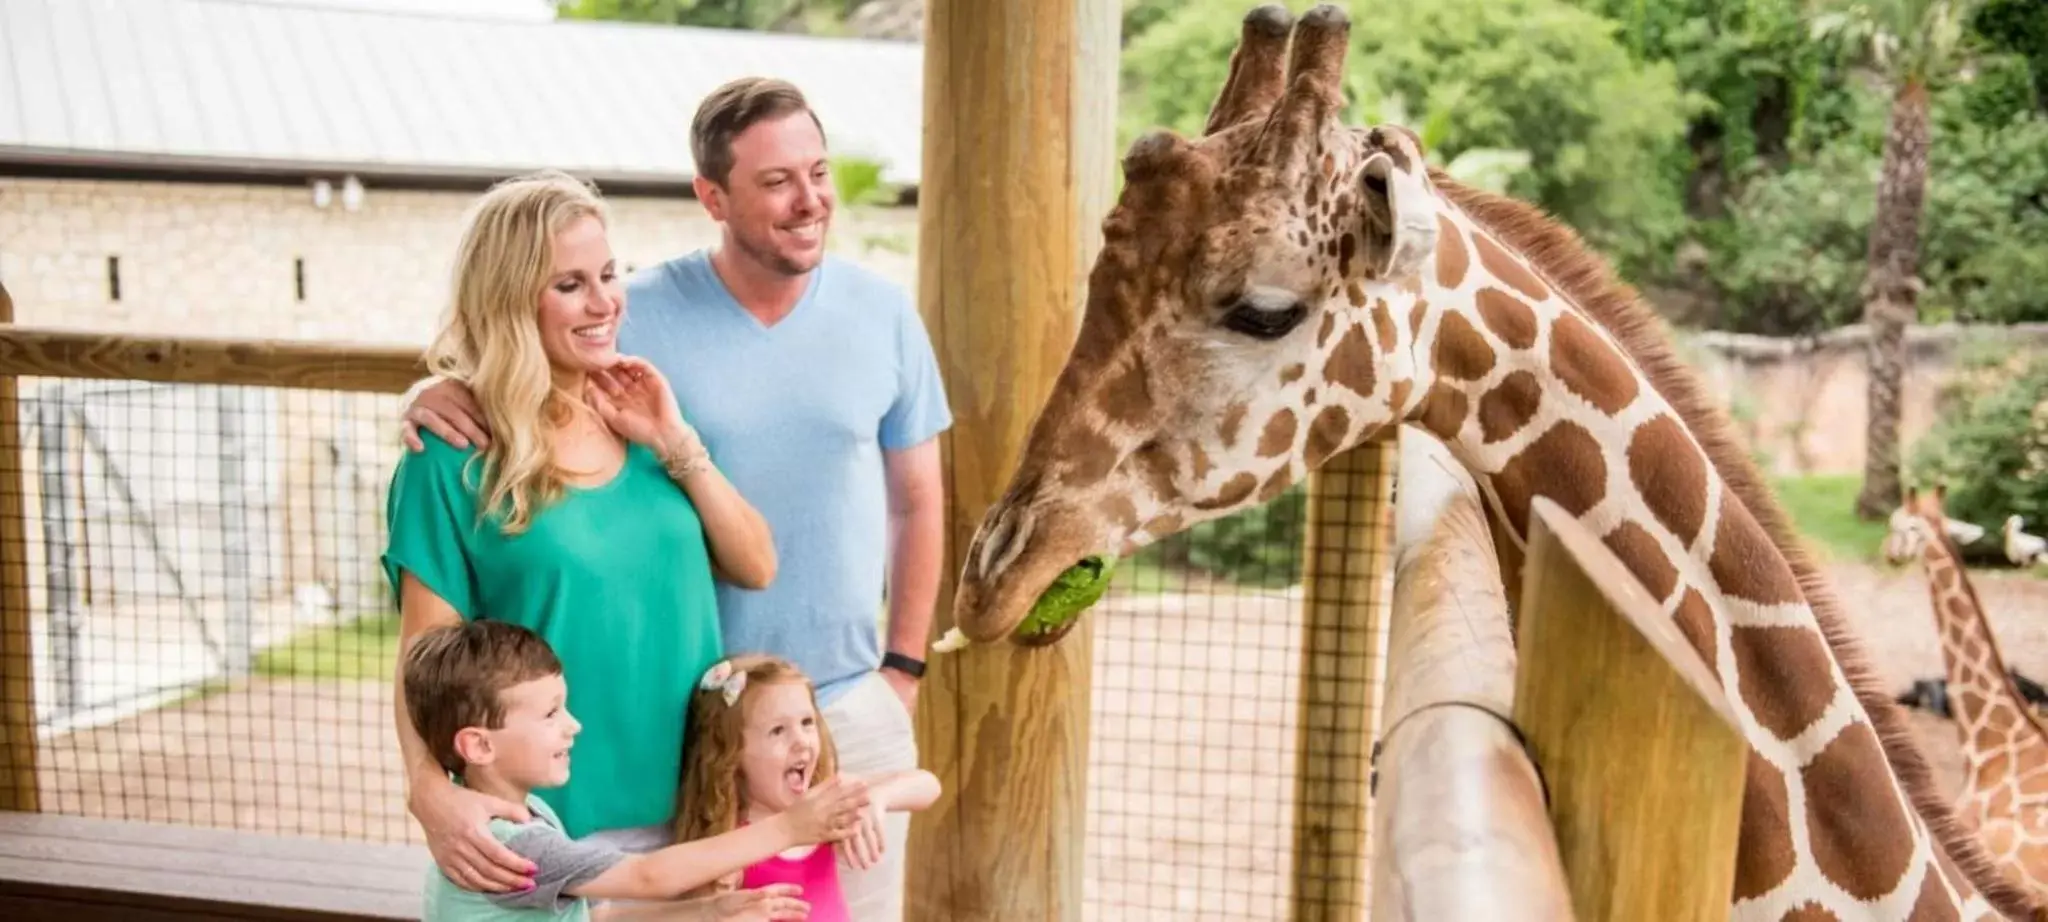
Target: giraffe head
x,y
1918,519
1248,316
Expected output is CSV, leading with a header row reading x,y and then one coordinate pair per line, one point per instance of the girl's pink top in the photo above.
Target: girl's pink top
x,y
817,873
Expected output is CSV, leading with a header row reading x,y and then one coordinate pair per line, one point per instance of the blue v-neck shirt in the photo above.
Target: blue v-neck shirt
x,y
798,415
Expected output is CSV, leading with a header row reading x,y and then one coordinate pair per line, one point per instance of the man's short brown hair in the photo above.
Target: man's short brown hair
x,y
455,674
732,109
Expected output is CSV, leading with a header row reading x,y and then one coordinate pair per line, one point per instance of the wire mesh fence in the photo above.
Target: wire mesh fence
x,y
1199,715
212,644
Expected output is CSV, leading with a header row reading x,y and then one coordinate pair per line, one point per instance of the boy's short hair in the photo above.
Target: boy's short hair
x,y
455,674
730,110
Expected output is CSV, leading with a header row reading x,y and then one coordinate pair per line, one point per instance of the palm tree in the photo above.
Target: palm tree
x,y
1910,43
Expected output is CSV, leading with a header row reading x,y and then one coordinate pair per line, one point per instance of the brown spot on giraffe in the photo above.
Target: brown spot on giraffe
x,y
1278,435
1933,904
1443,411
1509,406
1326,434
1198,462
1233,419
1233,492
1590,367
1766,857
1291,373
1346,249
1784,676
1329,326
1125,398
1671,474
1509,317
1089,456
1351,363
1745,564
1308,397
1809,912
1995,768
1507,268
1633,546
1564,462
1383,325
1275,484
1695,620
1451,258
1460,351
1118,508
1397,396
1355,293
1415,314
1855,761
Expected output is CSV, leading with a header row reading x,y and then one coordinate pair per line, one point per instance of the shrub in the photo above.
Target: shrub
x,y
1990,443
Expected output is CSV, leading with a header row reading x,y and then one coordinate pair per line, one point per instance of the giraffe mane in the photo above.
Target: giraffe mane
x,y
1556,252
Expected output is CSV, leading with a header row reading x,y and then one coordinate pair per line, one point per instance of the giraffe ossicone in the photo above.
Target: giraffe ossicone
x,y
1286,286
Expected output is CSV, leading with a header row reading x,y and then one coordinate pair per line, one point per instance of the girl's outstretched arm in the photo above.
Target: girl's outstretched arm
x,y
893,792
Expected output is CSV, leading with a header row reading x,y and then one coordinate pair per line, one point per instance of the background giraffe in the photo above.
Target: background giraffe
x,y
2004,744
1287,286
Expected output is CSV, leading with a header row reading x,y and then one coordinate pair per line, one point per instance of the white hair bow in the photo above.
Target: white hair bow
x,y
723,678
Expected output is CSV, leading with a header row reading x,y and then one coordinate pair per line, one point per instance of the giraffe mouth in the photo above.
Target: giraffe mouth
x,y
1028,576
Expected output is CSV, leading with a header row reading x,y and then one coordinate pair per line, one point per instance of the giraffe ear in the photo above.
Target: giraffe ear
x,y
1399,219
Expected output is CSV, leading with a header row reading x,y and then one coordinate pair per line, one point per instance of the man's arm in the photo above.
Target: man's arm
x,y
917,549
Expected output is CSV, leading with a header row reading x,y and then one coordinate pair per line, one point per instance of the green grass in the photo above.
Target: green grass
x,y
1823,508
363,648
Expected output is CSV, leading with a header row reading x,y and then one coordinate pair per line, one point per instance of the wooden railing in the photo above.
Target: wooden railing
x,y
1626,801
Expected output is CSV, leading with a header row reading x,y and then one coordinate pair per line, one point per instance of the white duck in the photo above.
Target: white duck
x,y
2022,548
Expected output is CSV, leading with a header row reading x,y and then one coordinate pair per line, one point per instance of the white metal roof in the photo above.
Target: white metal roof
x,y
240,83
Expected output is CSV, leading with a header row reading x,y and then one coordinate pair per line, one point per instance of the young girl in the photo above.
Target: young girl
x,y
757,744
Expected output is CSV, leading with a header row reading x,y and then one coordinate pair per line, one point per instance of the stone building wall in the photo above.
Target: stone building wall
x,y
219,260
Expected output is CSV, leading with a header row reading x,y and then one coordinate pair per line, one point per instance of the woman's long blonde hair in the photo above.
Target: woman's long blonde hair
x,y
490,335
713,797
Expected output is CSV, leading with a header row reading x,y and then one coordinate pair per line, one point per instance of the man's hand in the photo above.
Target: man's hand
x,y
449,410
904,686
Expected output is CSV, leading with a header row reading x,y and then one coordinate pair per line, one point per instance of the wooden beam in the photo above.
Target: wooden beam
x,y
337,366
1636,740
1459,825
1346,571
17,645
1018,168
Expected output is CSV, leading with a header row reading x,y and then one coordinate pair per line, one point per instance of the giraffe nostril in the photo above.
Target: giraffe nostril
x,y
1005,539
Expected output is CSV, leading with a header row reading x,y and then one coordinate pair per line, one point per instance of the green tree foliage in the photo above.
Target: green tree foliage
x,y
716,14
1990,440
1603,131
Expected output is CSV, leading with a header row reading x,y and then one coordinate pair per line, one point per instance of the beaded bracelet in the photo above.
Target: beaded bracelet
x,y
687,458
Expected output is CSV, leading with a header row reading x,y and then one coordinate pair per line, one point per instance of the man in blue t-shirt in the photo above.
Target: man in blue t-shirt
x,y
813,383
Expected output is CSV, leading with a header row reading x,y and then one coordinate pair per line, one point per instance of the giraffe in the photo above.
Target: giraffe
x,y
2005,744
1285,286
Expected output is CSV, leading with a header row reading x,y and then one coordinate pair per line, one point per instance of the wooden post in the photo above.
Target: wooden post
x,y
17,648
1346,568
1019,102
1636,741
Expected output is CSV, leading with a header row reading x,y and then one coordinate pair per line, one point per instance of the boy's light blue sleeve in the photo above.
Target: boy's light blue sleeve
x,y
426,514
920,410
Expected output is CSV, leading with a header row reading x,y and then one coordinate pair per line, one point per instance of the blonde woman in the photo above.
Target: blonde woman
x,y
595,518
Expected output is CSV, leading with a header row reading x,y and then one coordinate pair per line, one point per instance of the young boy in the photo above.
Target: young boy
x,y
489,700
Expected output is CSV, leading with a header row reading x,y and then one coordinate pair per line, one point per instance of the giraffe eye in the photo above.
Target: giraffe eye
x,y
1262,315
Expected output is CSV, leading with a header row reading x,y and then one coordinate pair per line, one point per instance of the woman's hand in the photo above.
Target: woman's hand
x,y
863,849
455,820
636,402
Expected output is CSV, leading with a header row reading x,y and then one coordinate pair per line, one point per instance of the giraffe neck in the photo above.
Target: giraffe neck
x,y
2005,748
1535,397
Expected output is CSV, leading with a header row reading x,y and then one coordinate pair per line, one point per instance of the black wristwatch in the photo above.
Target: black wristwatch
x,y
913,668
